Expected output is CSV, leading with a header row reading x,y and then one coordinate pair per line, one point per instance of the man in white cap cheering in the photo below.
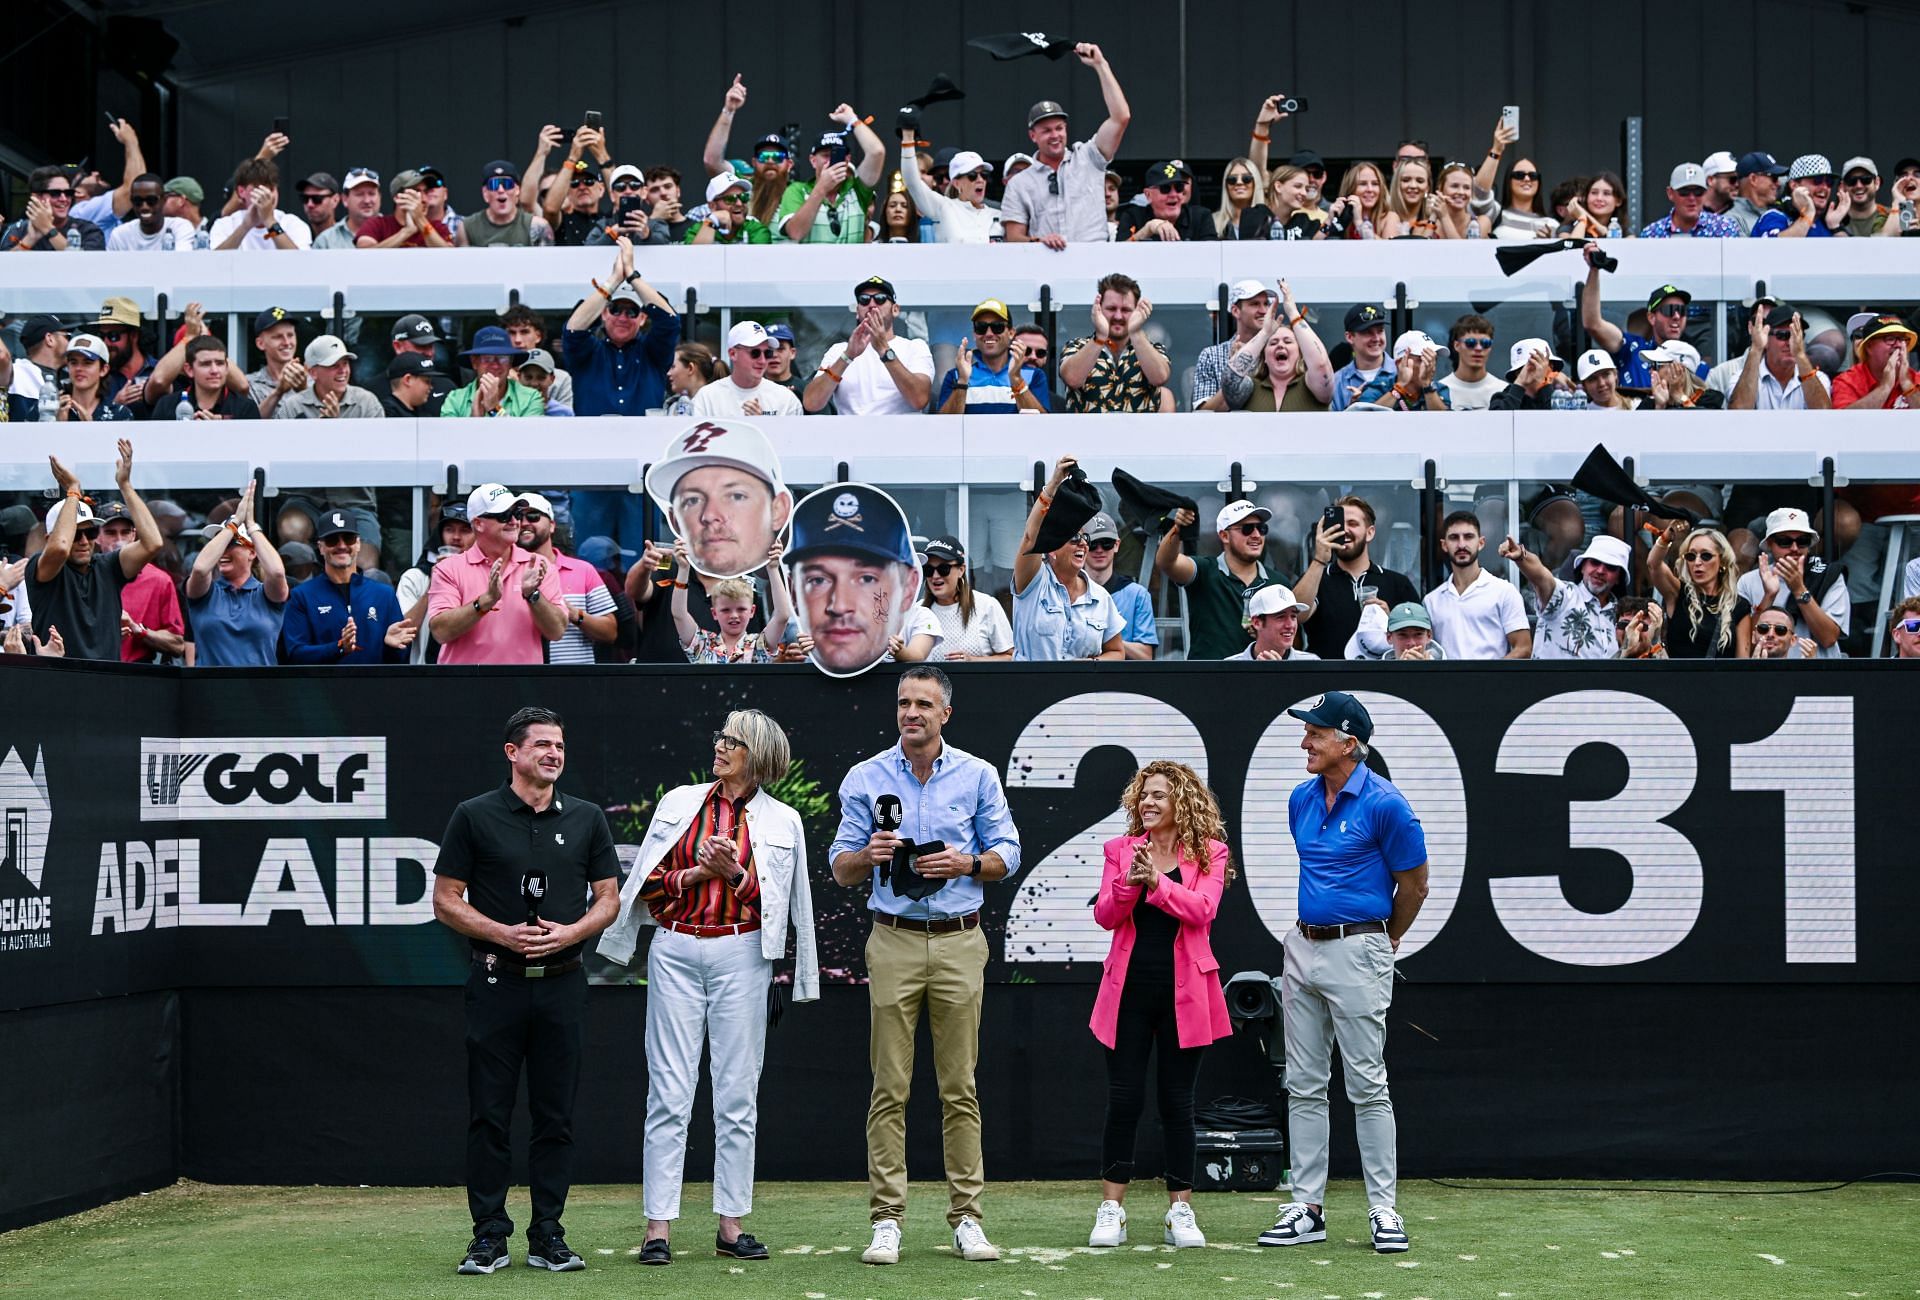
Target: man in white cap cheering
x,y
1217,588
495,603
1791,577
1274,613
746,390
727,221
1576,618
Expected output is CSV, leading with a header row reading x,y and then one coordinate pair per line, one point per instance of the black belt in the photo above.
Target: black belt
x,y
1341,931
944,925
494,964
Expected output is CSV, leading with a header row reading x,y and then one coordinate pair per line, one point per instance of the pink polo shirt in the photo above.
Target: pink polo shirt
x,y
505,634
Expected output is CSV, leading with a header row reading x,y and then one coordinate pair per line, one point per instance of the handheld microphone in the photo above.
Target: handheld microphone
x,y
533,888
887,814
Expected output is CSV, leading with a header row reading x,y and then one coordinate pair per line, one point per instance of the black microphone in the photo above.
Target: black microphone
x,y
887,814
533,888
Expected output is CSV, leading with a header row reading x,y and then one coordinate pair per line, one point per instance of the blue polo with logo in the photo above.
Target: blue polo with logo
x,y
1348,853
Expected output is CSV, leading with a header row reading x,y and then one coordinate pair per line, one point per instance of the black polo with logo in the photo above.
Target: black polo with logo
x,y
494,839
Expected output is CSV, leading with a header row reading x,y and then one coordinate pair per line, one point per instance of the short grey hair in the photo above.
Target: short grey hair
x,y
928,673
768,754
1359,752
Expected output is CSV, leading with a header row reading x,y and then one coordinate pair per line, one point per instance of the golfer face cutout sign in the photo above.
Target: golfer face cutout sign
x,y
853,575
718,483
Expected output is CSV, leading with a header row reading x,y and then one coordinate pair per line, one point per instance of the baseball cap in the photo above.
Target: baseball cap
x,y
326,350
992,307
945,548
1882,324
720,184
1339,710
297,553
626,172
1676,350
1592,362
1523,348
121,313
455,510
1307,158
1859,162
1164,173
943,158
358,176
1364,315
624,292
772,140
1719,164
1013,158
1235,511
783,332
187,188
746,334
1042,110
113,510
851,519
1245,289
1101,527
966,161
1687,174
829,140
1414,341
332,524
498,168
17,521
267,319
540,359
1609,550
34,331
85,519
1667,291
409,363
86,345
585,169
1780,314
738,443
489,500
535,502
878,283
1787,519
414,329
320,181
1758,163
405,180
1810,165
1274,598
1408,613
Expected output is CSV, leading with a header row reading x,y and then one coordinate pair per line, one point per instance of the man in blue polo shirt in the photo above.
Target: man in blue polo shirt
x,y
1666,317
1363,877
993,376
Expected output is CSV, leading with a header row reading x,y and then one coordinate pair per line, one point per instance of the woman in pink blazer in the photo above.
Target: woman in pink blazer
x,y
1158,894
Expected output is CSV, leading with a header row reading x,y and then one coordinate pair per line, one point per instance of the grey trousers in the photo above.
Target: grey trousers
x,y
1338,990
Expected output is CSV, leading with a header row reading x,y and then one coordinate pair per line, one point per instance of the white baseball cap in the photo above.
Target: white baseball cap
x,y
84,519
746,334
1013,158
359,176
1676,350
1789,520
89,345
1244,289
1609,550
1274,598
625,172
534,501
1687,174
1859,161
489,499
725,181
967,161
714,442
1414,342
1235,511
326,350
1592,362
1517,354
1720,163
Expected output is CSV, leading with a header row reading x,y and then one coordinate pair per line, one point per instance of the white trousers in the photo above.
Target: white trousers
x,y
704,991
1336,991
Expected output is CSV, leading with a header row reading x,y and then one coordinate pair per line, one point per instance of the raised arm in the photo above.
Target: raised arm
x,y
1169,558
1665,580
1026,567
782,613
714,156
135,165
1503,135
684,625
537,168
1605,334
65,521
1264,121
595,301
873,150
1537,574
1112,131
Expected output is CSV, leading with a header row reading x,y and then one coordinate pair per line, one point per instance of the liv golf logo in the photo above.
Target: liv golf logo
x,y
259,778
26,913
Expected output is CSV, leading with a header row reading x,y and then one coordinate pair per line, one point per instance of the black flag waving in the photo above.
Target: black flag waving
x,y
1020,45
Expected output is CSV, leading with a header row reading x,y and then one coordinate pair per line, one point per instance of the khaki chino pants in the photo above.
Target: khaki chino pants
x,y
943,973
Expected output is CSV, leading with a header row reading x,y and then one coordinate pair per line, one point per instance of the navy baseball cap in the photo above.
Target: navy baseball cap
x,y
1757,163
851,519
1363,316
335,524
502,169
782,332
410,363
267,319
1338,710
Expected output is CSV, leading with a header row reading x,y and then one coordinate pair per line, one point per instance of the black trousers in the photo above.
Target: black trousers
x,y
1146,1025
539,1024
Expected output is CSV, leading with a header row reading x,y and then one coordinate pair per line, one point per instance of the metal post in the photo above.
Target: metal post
x,y
1048,323
1234,478
687,317
1429,500
1633,144
1039,481
1220,319
260,495
160,321
840,474
1400,318
513,298
1632,517
339,314
1829,545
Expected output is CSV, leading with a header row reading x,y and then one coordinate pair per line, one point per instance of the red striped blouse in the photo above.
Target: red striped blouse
x,y
671,897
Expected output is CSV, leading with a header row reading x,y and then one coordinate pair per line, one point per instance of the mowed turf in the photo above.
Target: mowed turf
x,y
343,1244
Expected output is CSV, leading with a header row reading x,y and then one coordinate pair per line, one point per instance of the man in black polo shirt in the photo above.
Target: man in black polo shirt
x,y
71,585
526,992
1217,588
1342,568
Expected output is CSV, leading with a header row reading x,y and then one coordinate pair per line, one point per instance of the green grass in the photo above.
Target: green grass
x,y
343,1244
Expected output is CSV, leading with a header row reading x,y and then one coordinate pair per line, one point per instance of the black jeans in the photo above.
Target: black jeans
x,y
1146,1018
511,1022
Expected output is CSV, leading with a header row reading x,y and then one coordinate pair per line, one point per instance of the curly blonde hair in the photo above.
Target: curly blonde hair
x,y
1196,813
1721,606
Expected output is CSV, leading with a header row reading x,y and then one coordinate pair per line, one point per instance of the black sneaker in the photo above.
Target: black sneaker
x,y
485,1255
1297,1225
741,1247
656,1251
553,1253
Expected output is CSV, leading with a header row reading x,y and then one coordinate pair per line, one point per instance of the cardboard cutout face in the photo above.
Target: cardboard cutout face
x,y
719,485
853,576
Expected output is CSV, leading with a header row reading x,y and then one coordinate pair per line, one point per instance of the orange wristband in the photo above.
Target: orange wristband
x,y
1261,137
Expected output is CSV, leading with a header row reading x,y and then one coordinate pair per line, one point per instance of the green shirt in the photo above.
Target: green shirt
x,y
749,232
520,400
1217,609
846,209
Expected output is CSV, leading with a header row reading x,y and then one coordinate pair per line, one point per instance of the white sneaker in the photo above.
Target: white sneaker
x,y
885,1247
1296,1225
1109,1225
970,1242
1181,1229
1389,1232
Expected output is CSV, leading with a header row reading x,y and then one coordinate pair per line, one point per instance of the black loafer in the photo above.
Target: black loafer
x,y
656,1251
741,1247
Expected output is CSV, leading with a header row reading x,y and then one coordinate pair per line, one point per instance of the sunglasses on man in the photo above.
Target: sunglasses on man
x,y
733,198
989,327
1670,309
1793,541
1911,626
627,187
1772,629
61,193
581,182
1171,187
1254,528
762,354
872,299
1859,178
771,156
622,309
499,183
1104,544
1475,342
154,200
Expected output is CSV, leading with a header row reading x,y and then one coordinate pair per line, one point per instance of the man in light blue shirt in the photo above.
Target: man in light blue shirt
x,y
1139,636
926,947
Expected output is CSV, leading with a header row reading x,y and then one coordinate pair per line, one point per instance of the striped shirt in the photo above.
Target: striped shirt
x,y
671,897
584,590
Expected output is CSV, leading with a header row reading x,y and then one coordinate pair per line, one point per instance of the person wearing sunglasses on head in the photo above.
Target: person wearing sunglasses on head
x,y
1168,215
1217,588
832,207
1792,576
993,375
48,224
746,391
1061,198
151,230
965,218
1776,374
1904,626
875,372
1666,320
1687,192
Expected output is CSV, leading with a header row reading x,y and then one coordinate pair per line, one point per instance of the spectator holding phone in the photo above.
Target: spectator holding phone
x,y
992,375
832,208
1519,212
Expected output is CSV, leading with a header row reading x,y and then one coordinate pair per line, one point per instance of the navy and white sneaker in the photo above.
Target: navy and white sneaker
x,y
1389,1232
1296,1225
485,1255
553,1253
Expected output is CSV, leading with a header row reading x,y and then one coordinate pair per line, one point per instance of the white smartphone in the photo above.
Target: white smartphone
x,y
1510,118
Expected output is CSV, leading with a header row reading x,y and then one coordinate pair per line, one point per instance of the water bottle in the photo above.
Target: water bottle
x,y
1613,228
1366,228
1473,226
166,240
